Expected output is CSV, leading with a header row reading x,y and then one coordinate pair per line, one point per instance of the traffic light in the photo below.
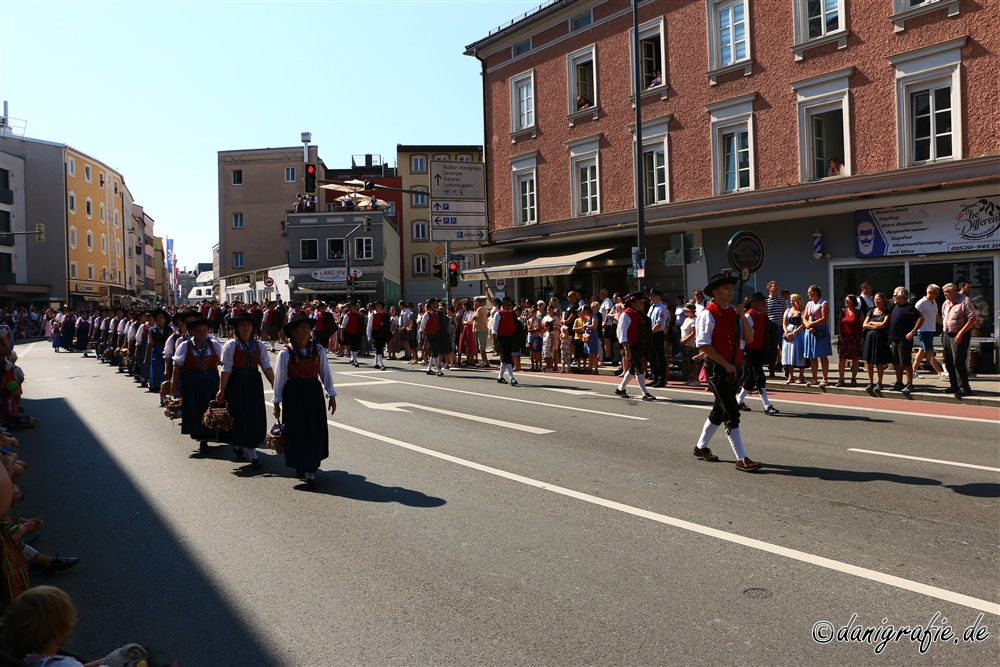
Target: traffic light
x,y
368,224
310,185
350,280
40,233
438,268
453,273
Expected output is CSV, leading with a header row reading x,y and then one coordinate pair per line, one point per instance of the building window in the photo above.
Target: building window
x,y
237,260
71,166
90,272
652,50
521,48
309,250
465,158
237,221
420,230
364,248
732,144
582,76
100,179
88,173
89,207
818,22
419,200
585,183
729,37
118,223
237,177
928,103
335,248
442,157
104,244
102,212
522,101
418,164
903,10
824,149
527,213
581,21
289,174
72,237
421,265
654,161
118,247
72,202
74,270
90,240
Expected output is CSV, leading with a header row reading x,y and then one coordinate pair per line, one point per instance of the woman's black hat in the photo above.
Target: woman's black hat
x,y
296,321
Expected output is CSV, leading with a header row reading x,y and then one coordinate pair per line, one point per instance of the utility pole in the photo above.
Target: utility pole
x,y
446,273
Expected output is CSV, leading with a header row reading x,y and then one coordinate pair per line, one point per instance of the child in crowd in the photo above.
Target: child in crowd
x,y
536,350
548,346
566,349
11,414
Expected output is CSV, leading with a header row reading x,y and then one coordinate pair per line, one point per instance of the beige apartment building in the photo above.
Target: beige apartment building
x,y
257,187
420,253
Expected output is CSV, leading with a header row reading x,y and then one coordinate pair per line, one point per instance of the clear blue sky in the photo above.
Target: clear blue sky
x,y
155,89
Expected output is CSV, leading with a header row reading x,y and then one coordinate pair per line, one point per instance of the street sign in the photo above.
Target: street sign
x,y
269,282
438,250
457,180
459,221
453,234
501,283
450,206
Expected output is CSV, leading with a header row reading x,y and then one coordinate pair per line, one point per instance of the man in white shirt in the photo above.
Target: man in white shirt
x,y
928,309
658,320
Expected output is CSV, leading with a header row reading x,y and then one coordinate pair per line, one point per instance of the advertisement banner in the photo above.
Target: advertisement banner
x,y
939,227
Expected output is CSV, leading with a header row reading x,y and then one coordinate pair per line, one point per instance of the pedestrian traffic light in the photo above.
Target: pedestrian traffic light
x,y
350,279
310,184
40,233
453,273
438,268
368,224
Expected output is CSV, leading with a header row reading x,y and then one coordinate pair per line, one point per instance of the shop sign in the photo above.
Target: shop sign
x,y
939,227
335,274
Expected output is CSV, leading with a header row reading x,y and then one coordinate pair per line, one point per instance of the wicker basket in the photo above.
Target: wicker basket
x,y
172,406
276,438
217,416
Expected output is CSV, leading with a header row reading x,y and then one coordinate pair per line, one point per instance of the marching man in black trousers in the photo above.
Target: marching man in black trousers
x,y
717,328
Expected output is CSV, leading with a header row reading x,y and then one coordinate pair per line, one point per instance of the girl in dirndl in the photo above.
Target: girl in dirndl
x,y
156,339
196,377
301,375
242,388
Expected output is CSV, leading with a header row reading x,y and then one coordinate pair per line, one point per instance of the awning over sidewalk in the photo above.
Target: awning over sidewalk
x,y
531,266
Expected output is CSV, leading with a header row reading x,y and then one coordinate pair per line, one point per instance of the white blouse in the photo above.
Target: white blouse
x,y
281,373
182,349
229,354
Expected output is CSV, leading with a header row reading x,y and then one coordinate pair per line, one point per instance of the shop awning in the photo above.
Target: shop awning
x,y
532,266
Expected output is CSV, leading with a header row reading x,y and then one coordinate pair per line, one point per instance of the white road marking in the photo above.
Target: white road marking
x,y
494,397
401,407
793,554
920,458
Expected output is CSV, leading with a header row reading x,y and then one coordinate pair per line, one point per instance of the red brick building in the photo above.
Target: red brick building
x,y
802,121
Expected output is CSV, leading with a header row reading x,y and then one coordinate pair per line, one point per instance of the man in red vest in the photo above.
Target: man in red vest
x,y
633,337
756,353
718,330
504,328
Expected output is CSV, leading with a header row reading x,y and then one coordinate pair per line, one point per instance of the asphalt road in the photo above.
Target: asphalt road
x,y
462,522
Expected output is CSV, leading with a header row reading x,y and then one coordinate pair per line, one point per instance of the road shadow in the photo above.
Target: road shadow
x,y
135,581
836,475
977,489
357,487
834,417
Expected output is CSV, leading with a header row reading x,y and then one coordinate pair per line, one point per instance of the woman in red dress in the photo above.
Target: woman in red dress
x,y
849,344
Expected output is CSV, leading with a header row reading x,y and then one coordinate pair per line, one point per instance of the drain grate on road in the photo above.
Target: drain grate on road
x,y
757,593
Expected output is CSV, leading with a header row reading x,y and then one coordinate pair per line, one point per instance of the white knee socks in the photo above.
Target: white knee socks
x,y
736,442
641,379
510,371
707,431
251,452
626,377
763,398
742,395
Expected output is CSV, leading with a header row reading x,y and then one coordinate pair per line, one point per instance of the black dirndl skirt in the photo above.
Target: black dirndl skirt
x,y
245,394
307,435
198,388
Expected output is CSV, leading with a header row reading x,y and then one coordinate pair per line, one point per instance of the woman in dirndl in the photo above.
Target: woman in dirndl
x,y
301,375
156,338
196,379
242,388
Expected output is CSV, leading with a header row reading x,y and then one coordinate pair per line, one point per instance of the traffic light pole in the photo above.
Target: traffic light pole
x,y
446,273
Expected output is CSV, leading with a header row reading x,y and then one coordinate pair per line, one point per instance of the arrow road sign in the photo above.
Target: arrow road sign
x,y
457,180
446,234
459,221
449,206
402,407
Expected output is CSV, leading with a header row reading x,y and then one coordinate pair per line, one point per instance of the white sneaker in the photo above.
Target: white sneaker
x,y
917,376
943,375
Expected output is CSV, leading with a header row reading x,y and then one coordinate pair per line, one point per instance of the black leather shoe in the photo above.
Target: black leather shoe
x,y
621,392
648,397
203,446
58,564
311,483
744,407
501,381
513,383
240,454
